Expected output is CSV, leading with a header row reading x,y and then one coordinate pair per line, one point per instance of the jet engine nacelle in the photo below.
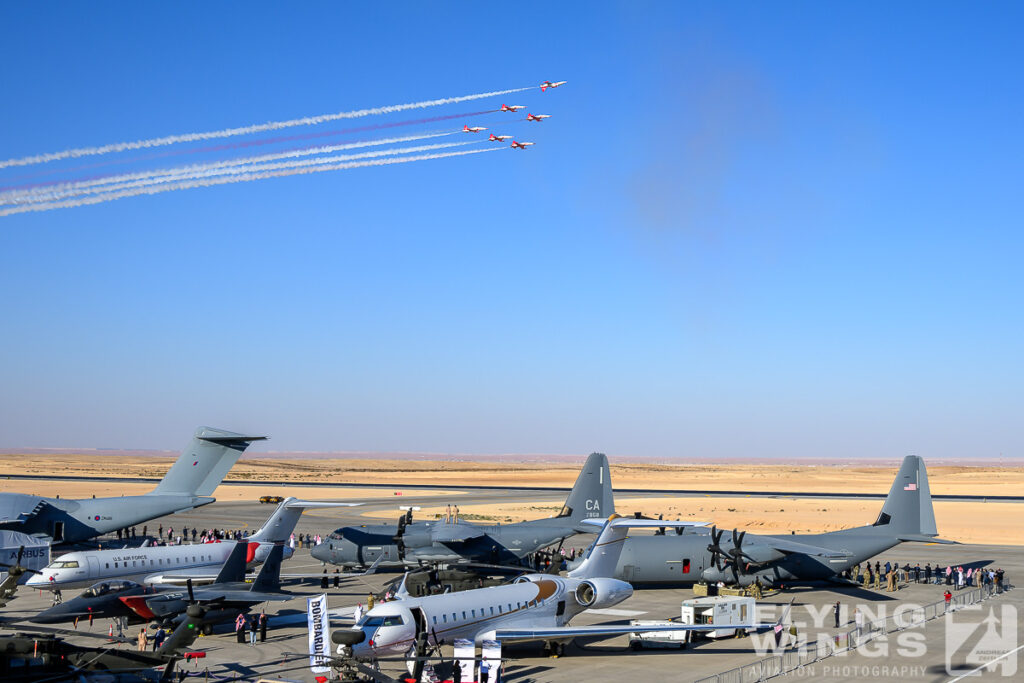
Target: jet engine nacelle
x,y
602,592
759,553
531,578
263,549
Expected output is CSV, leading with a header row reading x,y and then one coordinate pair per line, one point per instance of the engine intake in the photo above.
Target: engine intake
x,y
602,592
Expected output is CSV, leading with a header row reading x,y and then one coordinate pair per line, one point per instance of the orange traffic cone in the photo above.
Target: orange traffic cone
x,y
110,631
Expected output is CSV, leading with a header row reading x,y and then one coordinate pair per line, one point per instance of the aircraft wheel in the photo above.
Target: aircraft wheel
x,y
635,646
207,629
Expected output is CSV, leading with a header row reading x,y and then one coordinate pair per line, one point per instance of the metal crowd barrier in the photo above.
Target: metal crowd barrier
x,y
791,660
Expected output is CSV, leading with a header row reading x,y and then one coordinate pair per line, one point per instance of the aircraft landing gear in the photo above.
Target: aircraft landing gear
x,y
554,648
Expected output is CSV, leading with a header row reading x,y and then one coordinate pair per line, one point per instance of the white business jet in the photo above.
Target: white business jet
x,y
534,607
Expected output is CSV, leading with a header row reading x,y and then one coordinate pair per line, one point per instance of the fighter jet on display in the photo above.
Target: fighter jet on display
x,y
548,84
534,607
498,138
520,145
223,599
171,563
740,558
537,117
100,601
512,107
474,129
189,484
410,543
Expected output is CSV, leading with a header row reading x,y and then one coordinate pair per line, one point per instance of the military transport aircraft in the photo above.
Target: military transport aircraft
x,y
709,555
412,543
188,484
534,607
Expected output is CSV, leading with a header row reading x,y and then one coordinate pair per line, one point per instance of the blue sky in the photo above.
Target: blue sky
x,y
781,230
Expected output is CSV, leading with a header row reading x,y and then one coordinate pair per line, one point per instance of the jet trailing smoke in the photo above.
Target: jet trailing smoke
x,y
49,191
246,177
69,191
220,169
247,130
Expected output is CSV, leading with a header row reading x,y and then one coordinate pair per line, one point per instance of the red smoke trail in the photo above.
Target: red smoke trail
x,y
235,145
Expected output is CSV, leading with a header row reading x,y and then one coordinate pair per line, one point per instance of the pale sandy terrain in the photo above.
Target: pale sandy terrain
x,y
980,522
990,523
944,479
225,492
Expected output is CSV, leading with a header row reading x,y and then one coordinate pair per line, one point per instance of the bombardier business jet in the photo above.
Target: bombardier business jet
x,y
535,607
173,563
189,484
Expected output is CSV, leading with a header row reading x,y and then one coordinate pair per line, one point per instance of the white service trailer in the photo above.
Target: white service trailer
x,y
720,609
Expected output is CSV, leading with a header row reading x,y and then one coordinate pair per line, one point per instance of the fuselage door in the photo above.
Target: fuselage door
x,y
93,566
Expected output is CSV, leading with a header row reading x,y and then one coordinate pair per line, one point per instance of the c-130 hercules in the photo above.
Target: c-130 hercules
x,y
449,541
701,555
188,484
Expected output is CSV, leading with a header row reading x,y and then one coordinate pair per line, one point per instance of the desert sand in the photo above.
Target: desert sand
x,y
968,522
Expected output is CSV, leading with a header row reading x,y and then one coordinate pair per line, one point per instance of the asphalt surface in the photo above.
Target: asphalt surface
x,y
738,493
595,659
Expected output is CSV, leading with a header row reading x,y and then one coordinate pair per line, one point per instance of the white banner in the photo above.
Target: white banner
x,y
465,658
491,658
319,634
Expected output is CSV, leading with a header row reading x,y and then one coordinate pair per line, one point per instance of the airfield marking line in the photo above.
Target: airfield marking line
x,y
986,664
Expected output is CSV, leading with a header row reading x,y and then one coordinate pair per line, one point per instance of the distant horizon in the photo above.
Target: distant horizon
x,y
538,458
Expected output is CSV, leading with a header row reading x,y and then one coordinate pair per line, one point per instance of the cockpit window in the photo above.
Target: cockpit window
x,y
107,587
375,622
68,564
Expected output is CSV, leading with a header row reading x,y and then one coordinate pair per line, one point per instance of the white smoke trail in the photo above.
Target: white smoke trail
x,y
209,182
49,192
246,130
245,168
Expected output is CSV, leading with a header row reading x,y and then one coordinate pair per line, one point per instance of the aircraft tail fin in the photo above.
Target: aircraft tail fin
x,y
591,496
907,511
233,569
269,577
282,521
204,463
602,557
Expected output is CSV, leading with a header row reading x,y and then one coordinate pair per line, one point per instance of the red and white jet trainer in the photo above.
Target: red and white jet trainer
x,y
498,138
548,84
512,107
474,129
520,145
537,117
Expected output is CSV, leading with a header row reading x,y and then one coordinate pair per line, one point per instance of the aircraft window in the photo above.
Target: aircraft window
x,y
463,615
435,619
115,565
492,611
161,560
69,564
510,607
454,617
473,613
444,618
107,565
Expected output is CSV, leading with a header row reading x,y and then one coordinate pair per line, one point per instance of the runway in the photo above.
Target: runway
x,y
828,495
